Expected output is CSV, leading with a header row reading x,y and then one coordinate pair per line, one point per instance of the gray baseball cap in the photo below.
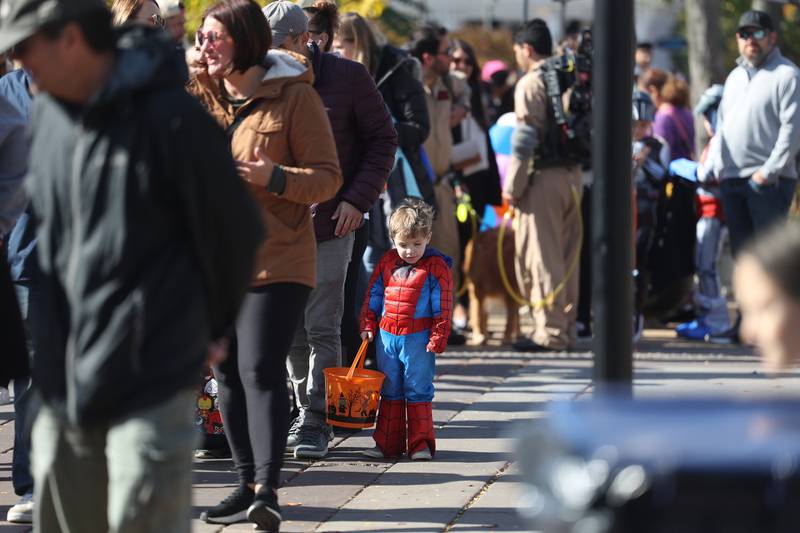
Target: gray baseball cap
x,y
755,19
286,20
19,19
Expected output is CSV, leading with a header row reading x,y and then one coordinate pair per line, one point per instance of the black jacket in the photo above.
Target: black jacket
x,y
362,128
404,95
146,236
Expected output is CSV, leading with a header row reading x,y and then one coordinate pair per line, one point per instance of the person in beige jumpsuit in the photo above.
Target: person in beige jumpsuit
x,y
547,236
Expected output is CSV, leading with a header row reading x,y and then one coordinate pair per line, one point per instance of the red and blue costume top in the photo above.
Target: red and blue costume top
x,y
411,298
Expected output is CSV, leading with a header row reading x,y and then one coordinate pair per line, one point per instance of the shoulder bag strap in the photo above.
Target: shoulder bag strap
x,y
243,114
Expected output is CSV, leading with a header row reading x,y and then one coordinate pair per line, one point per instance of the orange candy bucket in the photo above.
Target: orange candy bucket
x,y
352,394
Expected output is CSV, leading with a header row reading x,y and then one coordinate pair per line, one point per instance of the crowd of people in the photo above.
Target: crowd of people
x,y
253,204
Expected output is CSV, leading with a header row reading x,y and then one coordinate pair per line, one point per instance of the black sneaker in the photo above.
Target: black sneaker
x,y
232,509
524,344
293,437
456,338
583,330
265,512
313,443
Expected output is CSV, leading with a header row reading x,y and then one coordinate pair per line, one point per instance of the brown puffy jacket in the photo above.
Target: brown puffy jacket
x,y
289,123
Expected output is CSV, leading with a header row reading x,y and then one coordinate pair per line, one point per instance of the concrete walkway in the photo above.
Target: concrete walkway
x,y
484,397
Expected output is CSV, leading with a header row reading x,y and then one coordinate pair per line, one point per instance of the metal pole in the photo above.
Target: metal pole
x,y
612,246
524,11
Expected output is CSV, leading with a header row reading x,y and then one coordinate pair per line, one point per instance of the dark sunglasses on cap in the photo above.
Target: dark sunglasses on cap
x,y
158,21
755,34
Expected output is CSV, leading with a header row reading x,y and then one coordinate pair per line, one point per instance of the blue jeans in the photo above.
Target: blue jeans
x,y
751,208
712,306
707,251
25,406
409,368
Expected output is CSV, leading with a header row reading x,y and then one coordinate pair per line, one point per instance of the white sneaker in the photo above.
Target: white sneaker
x,y
422,455
374,453
5,396
22,512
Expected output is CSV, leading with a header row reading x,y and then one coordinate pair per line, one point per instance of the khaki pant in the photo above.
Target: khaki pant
x,y
547,241
133,475
445,229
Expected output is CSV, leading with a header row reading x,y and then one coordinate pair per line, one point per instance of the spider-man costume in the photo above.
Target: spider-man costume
x,y
414,303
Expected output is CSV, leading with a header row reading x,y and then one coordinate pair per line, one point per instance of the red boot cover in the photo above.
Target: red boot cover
x,y
420,427
390,429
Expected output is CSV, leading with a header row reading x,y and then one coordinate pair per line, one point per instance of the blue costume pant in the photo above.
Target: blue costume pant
x,y
409,368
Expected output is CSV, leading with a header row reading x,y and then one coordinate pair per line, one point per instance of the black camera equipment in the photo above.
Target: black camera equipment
x,y
568,138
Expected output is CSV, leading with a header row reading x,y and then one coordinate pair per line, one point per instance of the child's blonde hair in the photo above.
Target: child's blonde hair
x,y
412,218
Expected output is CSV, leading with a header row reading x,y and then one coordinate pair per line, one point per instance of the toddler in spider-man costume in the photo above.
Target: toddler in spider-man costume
x,y
407,310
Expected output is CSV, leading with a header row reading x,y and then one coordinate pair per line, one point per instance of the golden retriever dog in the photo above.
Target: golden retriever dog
x,y
482,273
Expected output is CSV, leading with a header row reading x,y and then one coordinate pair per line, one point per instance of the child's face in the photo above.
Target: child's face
x,y
411,248
641,129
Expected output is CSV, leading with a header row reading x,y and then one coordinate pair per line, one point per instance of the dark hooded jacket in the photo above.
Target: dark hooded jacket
x,y
397,81
362,127
146,236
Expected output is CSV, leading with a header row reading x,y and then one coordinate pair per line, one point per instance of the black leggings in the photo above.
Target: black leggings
x,y
252,380
351,336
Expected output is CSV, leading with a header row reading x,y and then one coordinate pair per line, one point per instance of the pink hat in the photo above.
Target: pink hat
x,y
492,67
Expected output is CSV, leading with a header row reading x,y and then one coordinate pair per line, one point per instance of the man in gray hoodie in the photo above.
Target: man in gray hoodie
x,y
759,128
759,131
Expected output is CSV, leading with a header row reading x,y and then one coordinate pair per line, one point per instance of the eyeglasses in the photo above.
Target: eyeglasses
x,y
158,21
213,37
460,60
755,34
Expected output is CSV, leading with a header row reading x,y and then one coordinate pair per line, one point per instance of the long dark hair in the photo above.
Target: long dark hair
x,y
324,18
474,81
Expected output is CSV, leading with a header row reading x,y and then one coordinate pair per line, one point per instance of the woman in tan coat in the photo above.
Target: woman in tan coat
x,y
283,144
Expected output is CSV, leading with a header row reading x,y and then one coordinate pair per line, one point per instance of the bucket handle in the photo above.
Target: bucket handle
x,y
359,359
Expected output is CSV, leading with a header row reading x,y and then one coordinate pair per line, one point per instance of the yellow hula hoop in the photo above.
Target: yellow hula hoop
x,y
549,299
464,276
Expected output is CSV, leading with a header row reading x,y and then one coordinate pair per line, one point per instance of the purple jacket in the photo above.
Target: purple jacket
x,y
676,126
365,137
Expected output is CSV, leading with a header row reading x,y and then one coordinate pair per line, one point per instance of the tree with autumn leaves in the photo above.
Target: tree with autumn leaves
x,y
397,24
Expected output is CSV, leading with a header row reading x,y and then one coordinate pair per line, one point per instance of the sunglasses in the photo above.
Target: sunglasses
x,y
755,34
212,37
